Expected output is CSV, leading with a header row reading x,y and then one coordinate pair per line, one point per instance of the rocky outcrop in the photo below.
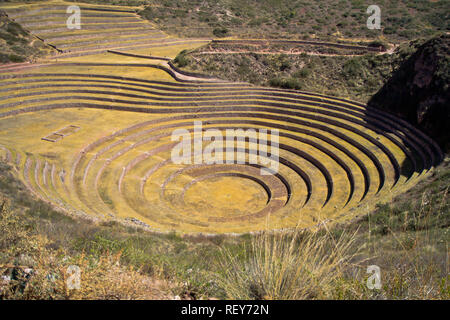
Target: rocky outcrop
x,y
419,90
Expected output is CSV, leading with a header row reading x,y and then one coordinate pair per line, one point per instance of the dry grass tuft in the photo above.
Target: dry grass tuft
x,y
286,265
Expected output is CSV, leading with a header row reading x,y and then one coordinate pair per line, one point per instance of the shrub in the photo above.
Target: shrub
x,y
302,73
286,83
352,68
220,32
296,265
181,60
285,64
378,43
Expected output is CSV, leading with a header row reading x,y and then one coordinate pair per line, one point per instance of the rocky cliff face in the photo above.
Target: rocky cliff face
x,y
419,90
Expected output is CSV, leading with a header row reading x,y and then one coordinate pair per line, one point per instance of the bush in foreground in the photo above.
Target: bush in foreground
x,y
287,265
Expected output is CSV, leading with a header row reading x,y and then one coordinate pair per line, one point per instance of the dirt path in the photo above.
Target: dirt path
x,y
278,52
310,53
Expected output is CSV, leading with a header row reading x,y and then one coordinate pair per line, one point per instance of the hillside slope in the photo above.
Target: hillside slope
x,y
16,43
312,69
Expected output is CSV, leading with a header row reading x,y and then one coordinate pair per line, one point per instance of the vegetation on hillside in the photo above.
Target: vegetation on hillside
x,y
17,44
297,19
354,77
